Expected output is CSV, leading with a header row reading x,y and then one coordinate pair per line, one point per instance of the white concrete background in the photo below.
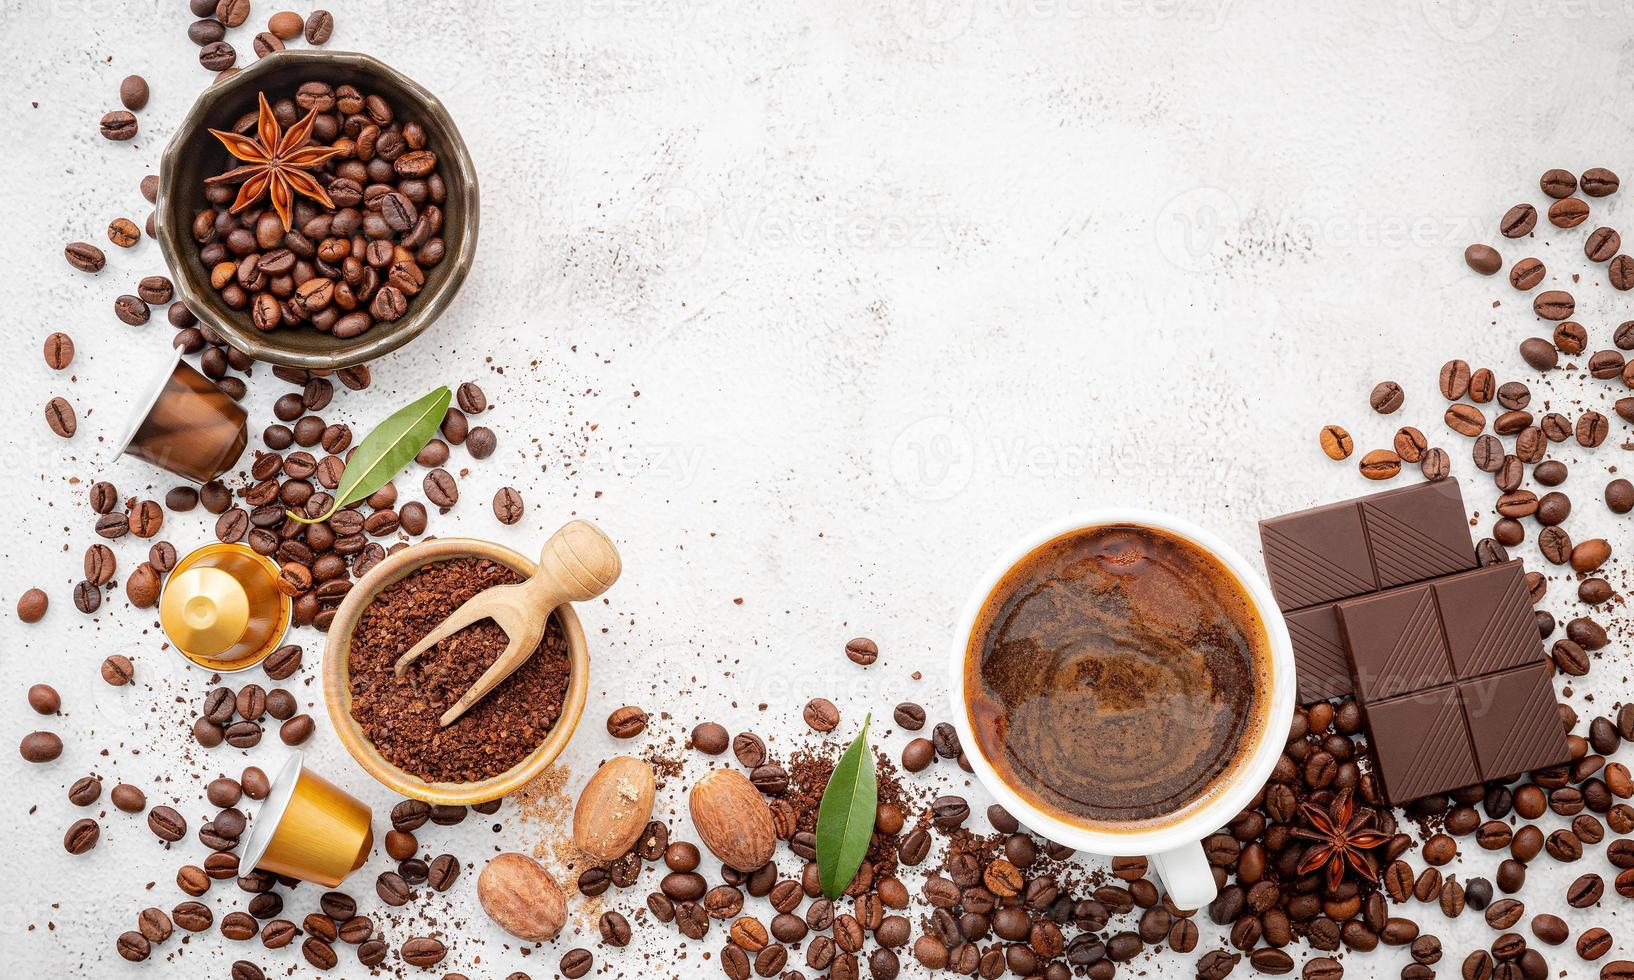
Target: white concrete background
x,y
820,306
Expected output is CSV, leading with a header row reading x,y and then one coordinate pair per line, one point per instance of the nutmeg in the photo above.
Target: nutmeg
x,y
521,897
732,820
614,808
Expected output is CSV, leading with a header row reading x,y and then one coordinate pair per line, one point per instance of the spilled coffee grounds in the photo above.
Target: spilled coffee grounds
x,y
400,716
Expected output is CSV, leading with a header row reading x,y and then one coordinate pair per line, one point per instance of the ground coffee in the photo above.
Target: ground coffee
x,y
400,716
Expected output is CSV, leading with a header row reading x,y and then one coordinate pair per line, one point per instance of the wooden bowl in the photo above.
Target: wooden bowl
x,y
337,687
193,154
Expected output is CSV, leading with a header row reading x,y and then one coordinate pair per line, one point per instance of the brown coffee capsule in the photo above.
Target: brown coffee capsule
x,y
188,426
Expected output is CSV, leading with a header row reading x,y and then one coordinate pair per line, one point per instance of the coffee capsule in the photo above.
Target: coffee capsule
x,y
187,426
222,609
309,828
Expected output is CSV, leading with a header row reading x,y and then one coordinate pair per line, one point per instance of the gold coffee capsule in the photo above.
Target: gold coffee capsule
x,y
309,828
187,426
222,609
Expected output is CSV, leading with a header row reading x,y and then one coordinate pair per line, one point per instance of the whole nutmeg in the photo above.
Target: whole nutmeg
x,y
614,808
733,820
521,897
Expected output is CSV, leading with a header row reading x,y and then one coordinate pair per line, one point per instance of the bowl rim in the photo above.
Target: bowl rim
x,y
263,346
337,694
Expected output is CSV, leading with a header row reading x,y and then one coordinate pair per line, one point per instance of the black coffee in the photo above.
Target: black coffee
x,y
1115,674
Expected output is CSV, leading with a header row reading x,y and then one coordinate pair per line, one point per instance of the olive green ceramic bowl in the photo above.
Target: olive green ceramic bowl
x,y
193,154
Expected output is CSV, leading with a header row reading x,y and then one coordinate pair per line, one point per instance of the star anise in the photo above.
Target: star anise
x,y
275,164
1344,838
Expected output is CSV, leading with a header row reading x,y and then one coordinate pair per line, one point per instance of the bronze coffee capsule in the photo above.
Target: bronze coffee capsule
x,y
222,609
309,828
188,426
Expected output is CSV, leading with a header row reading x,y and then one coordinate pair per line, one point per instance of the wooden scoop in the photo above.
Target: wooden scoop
x,y
578,563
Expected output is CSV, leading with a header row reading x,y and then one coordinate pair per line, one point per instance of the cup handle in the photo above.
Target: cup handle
x,y
1186,875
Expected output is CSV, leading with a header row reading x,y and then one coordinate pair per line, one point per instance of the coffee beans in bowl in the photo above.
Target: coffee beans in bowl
x,y
319,208
391,725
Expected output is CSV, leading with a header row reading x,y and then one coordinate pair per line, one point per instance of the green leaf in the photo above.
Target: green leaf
x,y
845,818
386,450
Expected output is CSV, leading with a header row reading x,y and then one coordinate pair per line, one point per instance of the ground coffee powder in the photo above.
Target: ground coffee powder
x,y
400,716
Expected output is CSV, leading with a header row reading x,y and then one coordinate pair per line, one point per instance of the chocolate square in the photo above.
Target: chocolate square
x,y
1354,548
1488,620
1514,721
1417,533
1395,643
1319,653
1317,556
1420,744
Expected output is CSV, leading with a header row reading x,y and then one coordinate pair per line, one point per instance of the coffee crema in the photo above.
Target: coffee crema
x,y
1115,675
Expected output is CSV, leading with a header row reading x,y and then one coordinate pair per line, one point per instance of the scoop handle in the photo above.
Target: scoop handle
x,y
578,563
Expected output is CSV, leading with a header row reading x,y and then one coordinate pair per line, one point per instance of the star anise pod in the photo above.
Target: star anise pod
x,y
1344,838
275,164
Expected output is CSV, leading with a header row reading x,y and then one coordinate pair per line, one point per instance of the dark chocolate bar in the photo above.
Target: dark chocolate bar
x,y
1317,557
1453,682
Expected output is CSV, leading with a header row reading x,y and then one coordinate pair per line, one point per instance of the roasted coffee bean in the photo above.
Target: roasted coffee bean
x,y
117,670
770,778
1558,183
1598,182
295,731
1620,272
1594,943
626,722
424,951
1380,464
1386,397
1466,419
1587,890
392,889
441,489
470,398
949,811
918,754
118,125
508,505
615,929
217,56
283,662
749,750
1568,212
1518,221
1410,444
131,310
1504,913
1217,964
1511,876
155,290
1526,274
1483,259
1336,442
1602,244
192,916
821,715
480,442
1539,353
81,836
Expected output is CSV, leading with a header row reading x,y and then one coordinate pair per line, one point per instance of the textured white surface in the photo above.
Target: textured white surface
x,y
817,305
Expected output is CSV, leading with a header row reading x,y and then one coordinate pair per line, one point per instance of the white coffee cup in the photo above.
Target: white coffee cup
x,y
1175,849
